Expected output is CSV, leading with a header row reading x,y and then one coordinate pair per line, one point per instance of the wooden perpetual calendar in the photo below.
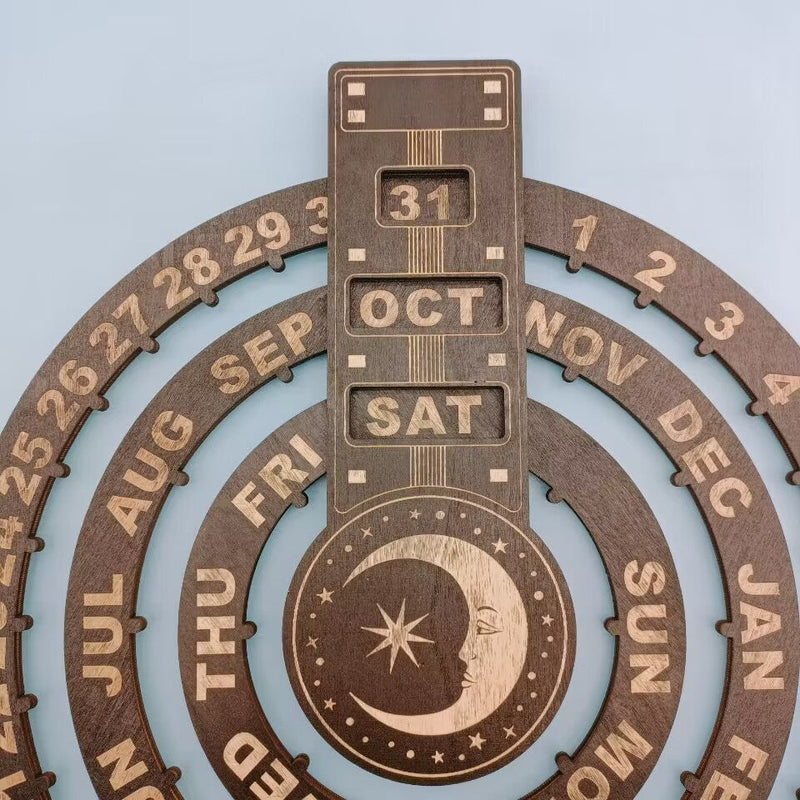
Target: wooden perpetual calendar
x,y
428,633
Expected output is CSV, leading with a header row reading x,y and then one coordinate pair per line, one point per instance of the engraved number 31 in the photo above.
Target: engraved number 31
x,y
409,205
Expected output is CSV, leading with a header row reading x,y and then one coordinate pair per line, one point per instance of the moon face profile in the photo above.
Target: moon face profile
x,y
497,635
428,640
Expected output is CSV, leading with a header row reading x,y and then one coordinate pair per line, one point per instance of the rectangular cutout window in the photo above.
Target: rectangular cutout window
x,y
440,305
426,415
420,196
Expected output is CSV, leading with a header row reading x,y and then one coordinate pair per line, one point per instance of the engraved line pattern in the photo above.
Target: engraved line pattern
x,y
428,465
426,249
426,359
424,147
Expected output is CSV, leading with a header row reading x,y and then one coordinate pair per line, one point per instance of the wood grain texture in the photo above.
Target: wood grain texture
x,y
762,628
428,430
726,320
424,302
620,523
551,213
70,385
117,529
635,395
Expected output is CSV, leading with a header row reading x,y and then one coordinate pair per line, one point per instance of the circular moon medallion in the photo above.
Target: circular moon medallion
x,y
429,640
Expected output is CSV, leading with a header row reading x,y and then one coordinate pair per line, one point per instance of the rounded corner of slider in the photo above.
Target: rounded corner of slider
x,y
336,68
510,65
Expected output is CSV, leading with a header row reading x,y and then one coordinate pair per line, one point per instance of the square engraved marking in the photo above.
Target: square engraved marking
x,y
357,361
402,101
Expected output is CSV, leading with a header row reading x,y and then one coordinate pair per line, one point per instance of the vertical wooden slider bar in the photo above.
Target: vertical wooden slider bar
x,y
427,546
426,348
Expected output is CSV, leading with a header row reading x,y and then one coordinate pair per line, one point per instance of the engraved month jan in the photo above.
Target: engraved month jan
x,y
426,635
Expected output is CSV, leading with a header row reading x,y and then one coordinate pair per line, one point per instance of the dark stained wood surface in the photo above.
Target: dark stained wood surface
x,y
634,394
757,350
726,320
762,628
427,426
629,540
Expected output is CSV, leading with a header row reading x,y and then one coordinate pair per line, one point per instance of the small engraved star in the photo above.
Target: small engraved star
x,y
312,642
510,732
329,704
499,545
476,741
547,620
438,757
366,532
325,596
415,514
397,635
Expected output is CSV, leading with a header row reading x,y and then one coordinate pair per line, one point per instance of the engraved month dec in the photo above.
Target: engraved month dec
x,y
427,633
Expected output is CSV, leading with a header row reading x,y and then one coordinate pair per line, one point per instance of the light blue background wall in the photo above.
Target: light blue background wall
x,y
122,125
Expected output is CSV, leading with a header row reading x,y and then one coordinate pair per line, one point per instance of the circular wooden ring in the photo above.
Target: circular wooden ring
x,y
53,408
305,207
771,551
726,319
758,699
626,534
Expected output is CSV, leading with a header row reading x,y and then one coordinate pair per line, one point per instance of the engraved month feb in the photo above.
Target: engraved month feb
x,y
426,631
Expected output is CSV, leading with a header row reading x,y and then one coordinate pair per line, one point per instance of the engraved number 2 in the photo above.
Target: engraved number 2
x,y
648,276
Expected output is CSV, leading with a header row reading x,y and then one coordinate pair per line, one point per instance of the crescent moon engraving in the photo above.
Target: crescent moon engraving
x,y
496,643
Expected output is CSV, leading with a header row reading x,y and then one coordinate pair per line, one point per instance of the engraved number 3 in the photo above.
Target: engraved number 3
x,y
725,327
408,201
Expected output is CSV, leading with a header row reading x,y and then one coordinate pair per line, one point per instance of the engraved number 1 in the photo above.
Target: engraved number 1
x,y
441,196
587,226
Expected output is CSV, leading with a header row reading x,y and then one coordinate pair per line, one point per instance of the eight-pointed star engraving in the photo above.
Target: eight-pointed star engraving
x,y
397,635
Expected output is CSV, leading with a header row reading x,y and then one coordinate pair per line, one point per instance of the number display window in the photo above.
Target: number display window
x,y
424,197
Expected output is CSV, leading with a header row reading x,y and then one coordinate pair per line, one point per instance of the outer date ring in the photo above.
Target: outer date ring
x,y
549,227
629,394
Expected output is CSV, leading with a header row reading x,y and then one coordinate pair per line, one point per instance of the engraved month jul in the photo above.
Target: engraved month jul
x,y
427,632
